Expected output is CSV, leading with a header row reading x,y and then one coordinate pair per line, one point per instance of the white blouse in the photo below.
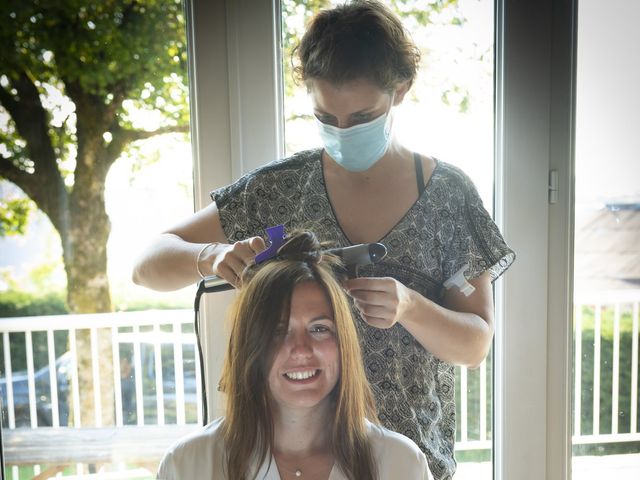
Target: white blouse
x,y
200,455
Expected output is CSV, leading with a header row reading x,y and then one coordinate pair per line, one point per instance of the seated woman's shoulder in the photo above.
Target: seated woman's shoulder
x,y
397,455
200,451
207,435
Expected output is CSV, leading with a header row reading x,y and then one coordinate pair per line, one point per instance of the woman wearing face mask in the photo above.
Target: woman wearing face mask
x,y
298,399
428,305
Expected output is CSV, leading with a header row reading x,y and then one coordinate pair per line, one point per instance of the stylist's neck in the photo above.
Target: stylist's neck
x,y
302,430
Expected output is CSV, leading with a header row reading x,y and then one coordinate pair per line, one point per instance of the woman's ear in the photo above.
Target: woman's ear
x,y
400,91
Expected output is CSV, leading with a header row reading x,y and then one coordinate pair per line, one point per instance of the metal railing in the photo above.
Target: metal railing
x,y
473,407
605,400
606,350
146,332
138,336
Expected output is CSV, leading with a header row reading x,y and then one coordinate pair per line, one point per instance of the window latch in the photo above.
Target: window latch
x,y
553,186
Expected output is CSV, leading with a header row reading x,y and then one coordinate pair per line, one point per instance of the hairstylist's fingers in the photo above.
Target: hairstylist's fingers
x,y
257,245
227,273
246,250
229,263
370,310
366,297
236,264
381,301
374,284
377,322
242,255
234,260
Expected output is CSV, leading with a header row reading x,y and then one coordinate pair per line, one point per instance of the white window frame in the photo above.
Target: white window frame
x,y
237,125
535,97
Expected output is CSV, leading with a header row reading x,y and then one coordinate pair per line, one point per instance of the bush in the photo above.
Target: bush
x,y
606,380
23,304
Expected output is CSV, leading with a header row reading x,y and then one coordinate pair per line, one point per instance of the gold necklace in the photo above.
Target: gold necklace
x,y
295,470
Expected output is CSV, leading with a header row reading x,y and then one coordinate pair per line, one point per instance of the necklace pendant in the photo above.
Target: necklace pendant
x,y
298,473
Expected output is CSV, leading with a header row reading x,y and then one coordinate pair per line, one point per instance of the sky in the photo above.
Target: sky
x,y
608,102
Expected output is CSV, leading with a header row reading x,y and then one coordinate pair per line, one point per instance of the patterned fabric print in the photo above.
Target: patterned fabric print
x,y
446,228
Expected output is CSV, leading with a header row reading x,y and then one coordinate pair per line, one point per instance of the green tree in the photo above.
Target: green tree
x,y
14,216
72,75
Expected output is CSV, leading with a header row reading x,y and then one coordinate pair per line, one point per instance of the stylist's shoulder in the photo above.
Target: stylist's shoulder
x,y
397,456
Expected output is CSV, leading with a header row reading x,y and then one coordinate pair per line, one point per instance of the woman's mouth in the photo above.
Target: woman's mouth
x,y
301,374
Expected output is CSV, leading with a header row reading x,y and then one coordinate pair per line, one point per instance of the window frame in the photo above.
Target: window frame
x,y
535,65
237,125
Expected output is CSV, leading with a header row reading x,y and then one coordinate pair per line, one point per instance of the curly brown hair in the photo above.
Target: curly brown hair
x,y
362,39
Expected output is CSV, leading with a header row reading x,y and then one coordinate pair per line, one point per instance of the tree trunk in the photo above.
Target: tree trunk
x,y
85,259
78,215
85,252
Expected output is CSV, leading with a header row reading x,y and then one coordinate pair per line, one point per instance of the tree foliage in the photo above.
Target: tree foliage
x,y
72,75
14,216
73,72
417,15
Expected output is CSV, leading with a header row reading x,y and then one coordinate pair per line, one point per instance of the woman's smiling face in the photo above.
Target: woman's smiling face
x,y
306,363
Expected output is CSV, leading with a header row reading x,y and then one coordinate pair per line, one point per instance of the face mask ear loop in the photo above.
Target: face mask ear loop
x,y
389,122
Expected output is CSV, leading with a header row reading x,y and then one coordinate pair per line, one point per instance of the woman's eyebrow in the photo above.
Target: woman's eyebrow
x,y
365,111
318,111
322,317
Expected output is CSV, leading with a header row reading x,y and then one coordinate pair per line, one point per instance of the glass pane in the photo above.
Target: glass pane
x,y
94,157
606,439
447,114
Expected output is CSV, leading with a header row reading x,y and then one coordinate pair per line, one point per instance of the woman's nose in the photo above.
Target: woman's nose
x,y
340,122
300,345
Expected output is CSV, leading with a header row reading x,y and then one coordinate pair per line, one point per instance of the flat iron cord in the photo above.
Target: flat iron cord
x,y
196,326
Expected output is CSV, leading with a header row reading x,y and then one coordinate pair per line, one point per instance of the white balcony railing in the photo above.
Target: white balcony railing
x,y
606,321
140,397
606,349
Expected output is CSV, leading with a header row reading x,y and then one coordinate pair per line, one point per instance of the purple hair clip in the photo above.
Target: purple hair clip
x,y
276,237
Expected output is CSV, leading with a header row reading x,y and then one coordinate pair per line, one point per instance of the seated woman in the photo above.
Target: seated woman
x,y
299,405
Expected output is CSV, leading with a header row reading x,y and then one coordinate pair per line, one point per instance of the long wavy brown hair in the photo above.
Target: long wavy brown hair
x,y
263,305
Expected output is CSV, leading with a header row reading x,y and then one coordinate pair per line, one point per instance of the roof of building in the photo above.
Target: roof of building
x,y
607,249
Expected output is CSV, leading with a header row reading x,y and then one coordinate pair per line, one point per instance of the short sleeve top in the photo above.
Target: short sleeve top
x,y
446,228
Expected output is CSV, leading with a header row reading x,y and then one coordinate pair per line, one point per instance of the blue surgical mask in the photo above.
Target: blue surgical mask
x,y
359,147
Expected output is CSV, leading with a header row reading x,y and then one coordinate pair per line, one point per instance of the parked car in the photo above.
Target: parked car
x,y
64,363
168,386
44,404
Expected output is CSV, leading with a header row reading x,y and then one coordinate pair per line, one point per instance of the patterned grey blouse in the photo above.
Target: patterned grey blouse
x,y
445,228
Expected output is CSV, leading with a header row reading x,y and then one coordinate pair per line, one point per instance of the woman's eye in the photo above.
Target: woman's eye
x,y
326,120
320,329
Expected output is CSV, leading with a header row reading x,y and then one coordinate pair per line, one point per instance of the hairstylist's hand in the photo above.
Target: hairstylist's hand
x,y
231,260
381,301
